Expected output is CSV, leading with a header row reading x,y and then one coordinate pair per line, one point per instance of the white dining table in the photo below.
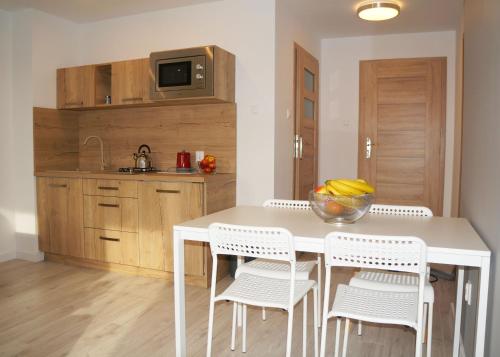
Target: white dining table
x,y
449,240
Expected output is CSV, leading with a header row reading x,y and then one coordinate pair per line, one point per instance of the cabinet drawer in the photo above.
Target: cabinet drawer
x,y
112,246
110,213
110,188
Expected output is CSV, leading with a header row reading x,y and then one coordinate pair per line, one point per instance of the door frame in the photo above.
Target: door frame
x,y
298,107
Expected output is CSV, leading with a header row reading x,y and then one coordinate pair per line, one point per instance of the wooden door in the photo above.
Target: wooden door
x,y
161,206
130,81
76,87
402,130
60,216
306,123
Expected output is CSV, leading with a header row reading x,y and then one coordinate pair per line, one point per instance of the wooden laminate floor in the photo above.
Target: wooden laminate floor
x,y
49,309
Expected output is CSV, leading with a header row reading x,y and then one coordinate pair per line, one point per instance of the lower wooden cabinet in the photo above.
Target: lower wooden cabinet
x,y
127,225
60,215
111,213
112,246
161,206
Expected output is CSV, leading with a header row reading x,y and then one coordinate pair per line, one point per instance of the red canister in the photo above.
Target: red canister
x,y
183,160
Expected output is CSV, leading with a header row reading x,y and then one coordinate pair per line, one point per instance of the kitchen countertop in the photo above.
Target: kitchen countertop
x,y
150,176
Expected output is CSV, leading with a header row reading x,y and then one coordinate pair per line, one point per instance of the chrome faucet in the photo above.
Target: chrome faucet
x,y
102,148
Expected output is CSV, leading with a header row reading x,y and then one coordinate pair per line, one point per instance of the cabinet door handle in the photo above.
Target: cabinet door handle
x,y
130,99
168,191
109,239
74,103
109,205
108,188
58,185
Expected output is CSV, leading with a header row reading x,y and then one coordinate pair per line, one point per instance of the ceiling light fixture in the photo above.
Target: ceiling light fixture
x,y
378,10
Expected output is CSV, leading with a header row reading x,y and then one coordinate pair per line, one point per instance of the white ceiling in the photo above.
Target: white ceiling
x,y
94,10
338,18
328,18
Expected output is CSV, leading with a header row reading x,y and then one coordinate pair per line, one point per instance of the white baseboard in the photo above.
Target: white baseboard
x,y
30,256
4,257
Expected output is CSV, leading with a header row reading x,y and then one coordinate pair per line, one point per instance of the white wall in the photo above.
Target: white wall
x,y
338,135
290,28
480,192
7,238
41,43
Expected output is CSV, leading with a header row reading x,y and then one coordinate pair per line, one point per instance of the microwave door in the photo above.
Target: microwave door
x,y
180,74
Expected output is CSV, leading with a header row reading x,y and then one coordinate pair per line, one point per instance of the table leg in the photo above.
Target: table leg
x,y
458,311
179,296
482,306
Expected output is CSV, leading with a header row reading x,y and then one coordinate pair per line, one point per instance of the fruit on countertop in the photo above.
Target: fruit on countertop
x,y
207,165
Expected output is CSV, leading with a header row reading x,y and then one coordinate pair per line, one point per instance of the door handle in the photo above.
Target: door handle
x,y
298,147
368,148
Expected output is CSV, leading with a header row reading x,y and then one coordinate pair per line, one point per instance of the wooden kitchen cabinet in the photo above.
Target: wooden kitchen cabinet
x,y
130,81
60,217
111,246
161,206
111,213
76,87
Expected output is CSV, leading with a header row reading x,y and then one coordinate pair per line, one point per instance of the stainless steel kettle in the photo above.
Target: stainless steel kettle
x,y
143,158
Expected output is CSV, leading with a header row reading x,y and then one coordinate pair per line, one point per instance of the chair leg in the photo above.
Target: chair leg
x,y
360,327
337,337
319,290
289,332
315,318
324,323
346,337
424,323
304,327
429,330
210,327
264,314
233,328
244,332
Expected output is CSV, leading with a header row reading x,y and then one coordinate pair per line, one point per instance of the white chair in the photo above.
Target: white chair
x,y
247,289
281,270
389,281
404,254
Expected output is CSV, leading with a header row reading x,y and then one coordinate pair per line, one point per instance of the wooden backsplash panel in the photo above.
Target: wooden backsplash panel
x,y
55,139
167,130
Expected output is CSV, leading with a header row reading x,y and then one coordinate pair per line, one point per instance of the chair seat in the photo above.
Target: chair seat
x,y
276,269
376,306
262,291
388,281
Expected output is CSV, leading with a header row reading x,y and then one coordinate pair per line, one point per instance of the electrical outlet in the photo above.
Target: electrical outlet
x,y
199,155
468,293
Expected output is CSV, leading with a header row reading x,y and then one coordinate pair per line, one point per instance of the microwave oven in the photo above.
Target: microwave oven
x,y
185,73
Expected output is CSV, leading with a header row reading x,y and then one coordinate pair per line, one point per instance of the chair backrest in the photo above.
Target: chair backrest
x,y
252,241
290,204
397,210
406,254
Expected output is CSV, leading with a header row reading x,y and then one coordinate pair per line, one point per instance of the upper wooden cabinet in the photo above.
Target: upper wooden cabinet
x,y
60,217
76,87
130,81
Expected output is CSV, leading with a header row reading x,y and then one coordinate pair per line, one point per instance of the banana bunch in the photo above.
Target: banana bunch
x,y
346,187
